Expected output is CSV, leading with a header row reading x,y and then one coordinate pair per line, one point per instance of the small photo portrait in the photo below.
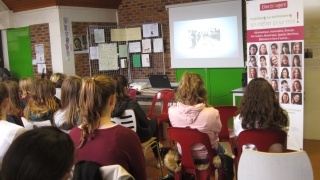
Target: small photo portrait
x,y
252,62
296,86
253,73
274,49
296,73
296,98
263,61
275,85
274,61
77,43
285,48
285,98
285,85
285,73
296,48
253,49
263,49
285,60
263,73
296,62
274,73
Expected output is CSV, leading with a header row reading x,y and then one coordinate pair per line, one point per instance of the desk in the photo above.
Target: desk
x,y
237,92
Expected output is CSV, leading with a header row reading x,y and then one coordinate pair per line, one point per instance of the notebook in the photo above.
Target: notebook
x,y
159,81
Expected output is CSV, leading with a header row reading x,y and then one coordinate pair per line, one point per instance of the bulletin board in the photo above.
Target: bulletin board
x,y
19,51
134,51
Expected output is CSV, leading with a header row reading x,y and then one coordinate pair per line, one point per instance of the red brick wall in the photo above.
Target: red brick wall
x,y
142,11
39,34
81,60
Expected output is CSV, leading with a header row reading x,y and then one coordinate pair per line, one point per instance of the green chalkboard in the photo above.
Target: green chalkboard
x,y
218,82
19,51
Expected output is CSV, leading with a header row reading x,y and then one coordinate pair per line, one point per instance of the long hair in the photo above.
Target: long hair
x,y
3,94
260,108
57,79
94,95
121,83
41,153
70,94
42,98
25,85
288,74
293,73
296,57
191,90
13,88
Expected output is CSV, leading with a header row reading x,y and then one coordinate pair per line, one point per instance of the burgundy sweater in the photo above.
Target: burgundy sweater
x,y
115,145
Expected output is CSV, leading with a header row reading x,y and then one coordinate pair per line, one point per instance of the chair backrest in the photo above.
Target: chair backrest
x,y
132,93
262,139
166,96
32,124
226,112
127,119
186,137
276,166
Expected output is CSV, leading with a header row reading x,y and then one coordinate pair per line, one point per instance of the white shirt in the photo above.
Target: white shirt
x,y
8,132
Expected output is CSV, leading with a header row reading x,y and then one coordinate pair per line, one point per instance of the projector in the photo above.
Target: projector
x,y
138,85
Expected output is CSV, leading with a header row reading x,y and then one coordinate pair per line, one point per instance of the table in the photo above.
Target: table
x,y
237,92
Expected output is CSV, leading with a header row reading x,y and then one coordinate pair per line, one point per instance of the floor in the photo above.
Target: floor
x,y
312,147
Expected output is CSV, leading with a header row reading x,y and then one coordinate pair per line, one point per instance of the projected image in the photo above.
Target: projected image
x,y
202,38
206,38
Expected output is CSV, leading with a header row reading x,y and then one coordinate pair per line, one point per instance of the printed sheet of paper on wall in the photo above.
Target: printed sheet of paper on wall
x,y
146,45
108,57
145,60
157,45
129,34
99,35
150,30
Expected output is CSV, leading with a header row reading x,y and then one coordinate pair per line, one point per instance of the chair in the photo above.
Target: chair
x,y
128,119
276,166
164,96
186,137
32,124
132,93
226,112
262,139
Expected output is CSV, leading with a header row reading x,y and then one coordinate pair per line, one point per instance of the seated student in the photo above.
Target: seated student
x,y
15,113
25,85
146,128
68,116
100,140
57,79
41,105
192,110
41,153
8,131
268,114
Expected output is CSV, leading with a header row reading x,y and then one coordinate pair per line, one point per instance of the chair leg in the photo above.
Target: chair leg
x,y
159,156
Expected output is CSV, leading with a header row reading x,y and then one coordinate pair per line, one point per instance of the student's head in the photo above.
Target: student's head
x,y
70,94
121,83
191,90
259,106
296,61
13,88
57,79
97,99
41,153
25,85
253,48
274,48
4,100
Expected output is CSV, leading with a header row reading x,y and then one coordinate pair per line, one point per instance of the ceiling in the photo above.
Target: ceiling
x,y
24,5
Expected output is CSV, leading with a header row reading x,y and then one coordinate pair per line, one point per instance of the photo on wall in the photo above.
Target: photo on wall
x,y
77,43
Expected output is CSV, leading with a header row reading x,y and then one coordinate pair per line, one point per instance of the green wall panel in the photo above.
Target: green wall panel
x,y
218,82
19,50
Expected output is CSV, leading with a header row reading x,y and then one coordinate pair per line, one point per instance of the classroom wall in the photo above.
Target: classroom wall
x,y
54,17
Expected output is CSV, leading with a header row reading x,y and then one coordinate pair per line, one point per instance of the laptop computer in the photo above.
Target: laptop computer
x,y
159,81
